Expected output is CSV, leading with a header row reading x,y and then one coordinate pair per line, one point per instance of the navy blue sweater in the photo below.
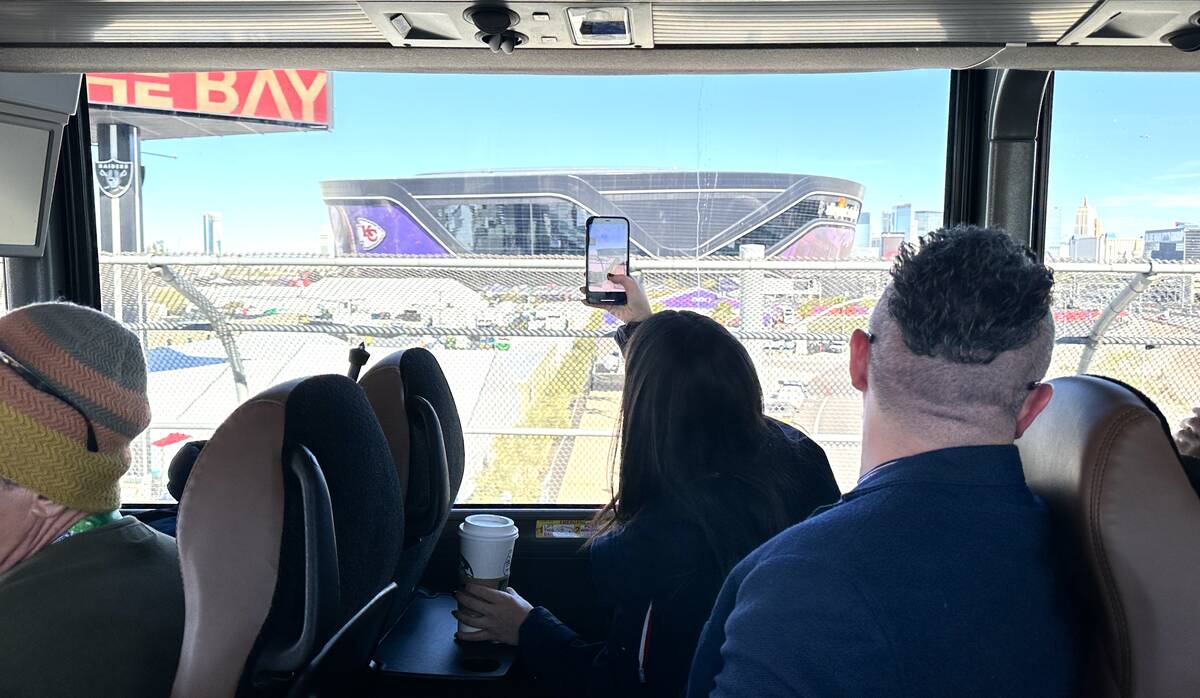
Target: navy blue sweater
x,y
934,577
659,558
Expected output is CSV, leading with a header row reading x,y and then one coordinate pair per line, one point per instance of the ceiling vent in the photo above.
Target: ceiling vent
x,y
185,22
1139,23
823,22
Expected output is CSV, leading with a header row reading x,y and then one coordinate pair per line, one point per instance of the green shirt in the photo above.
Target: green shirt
x,y
97,614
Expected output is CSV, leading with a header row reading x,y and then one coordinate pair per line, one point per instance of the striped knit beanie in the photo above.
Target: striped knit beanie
x,y
96,364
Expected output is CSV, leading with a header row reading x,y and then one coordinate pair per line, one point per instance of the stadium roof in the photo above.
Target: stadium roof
x,y
671,212
516,171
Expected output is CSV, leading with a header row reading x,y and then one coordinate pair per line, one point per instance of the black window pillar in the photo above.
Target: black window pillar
x,y
997,151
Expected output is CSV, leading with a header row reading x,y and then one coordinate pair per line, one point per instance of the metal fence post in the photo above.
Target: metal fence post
x,y
752,287
216,319
1139,283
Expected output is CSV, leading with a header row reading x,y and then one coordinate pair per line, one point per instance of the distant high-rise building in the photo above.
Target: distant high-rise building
x,y
903,220
212,233
1123,249
1054,231
862,235
1087,223
925,222
1087,249
887,222
1179,244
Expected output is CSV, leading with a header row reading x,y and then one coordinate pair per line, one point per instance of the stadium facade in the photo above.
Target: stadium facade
x,y
671,213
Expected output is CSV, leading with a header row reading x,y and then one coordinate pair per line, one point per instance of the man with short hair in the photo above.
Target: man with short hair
x,y
91,603
935,576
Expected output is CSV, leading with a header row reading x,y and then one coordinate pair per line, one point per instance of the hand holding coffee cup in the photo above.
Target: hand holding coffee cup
x,y
484,560
499,614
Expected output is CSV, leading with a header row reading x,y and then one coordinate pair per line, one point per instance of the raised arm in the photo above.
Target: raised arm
x,y
635,310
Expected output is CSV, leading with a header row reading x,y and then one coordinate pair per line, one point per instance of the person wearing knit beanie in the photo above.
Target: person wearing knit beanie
x,y
76,578
95,373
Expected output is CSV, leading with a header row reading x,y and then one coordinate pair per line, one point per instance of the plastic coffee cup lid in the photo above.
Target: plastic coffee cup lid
x,y
488,526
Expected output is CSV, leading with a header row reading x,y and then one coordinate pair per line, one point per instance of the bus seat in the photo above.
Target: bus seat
x,y
257,555
181,467
423,377
384,388
337,670
429,495
290,525
1129,520
333,418
403,388
164,519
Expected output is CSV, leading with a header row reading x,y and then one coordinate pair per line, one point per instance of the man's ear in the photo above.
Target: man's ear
x,y
860,357
1035,402
46,508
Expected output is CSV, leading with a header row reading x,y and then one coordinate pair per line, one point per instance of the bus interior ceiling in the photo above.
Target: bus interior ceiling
x,y
1002,59
664,37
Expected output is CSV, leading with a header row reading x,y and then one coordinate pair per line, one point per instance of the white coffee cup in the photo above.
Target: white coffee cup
x,y
485,554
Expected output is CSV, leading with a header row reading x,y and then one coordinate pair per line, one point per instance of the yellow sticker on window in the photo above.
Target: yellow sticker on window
x,y
564,528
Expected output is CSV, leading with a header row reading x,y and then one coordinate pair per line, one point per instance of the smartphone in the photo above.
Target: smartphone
x,y
607,253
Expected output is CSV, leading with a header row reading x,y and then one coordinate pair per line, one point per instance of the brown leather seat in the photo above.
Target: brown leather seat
x,y
405,389
290,525
384,387
233,551
1130,521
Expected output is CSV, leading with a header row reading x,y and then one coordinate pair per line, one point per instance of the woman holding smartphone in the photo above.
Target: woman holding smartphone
x,y
704,479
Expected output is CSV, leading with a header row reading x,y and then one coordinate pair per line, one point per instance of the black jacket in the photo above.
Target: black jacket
x,y
98,614
660,580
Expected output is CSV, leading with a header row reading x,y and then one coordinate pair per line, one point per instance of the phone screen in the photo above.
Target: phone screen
x,y
607,253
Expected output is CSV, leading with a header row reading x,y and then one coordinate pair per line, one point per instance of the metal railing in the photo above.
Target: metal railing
x,y
524,357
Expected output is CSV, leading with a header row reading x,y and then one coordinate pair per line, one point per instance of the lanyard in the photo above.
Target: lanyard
x,y
88,523
645,641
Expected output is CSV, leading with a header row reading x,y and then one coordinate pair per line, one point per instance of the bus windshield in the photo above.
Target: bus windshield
x,y
254,225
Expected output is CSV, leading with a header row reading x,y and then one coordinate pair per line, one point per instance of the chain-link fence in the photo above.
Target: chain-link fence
x,y
537,380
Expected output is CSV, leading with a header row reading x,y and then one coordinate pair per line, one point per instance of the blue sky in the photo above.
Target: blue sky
x,y
1131,143
1128,141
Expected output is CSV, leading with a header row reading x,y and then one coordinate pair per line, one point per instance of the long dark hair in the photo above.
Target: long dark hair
x,y
691,432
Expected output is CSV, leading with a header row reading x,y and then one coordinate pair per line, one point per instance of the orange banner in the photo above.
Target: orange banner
x,y
295,96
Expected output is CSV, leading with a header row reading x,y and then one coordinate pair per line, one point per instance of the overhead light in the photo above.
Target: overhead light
x,y
402,25
600,26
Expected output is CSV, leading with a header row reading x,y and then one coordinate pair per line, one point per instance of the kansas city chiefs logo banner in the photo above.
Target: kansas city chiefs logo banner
x,y
369,233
